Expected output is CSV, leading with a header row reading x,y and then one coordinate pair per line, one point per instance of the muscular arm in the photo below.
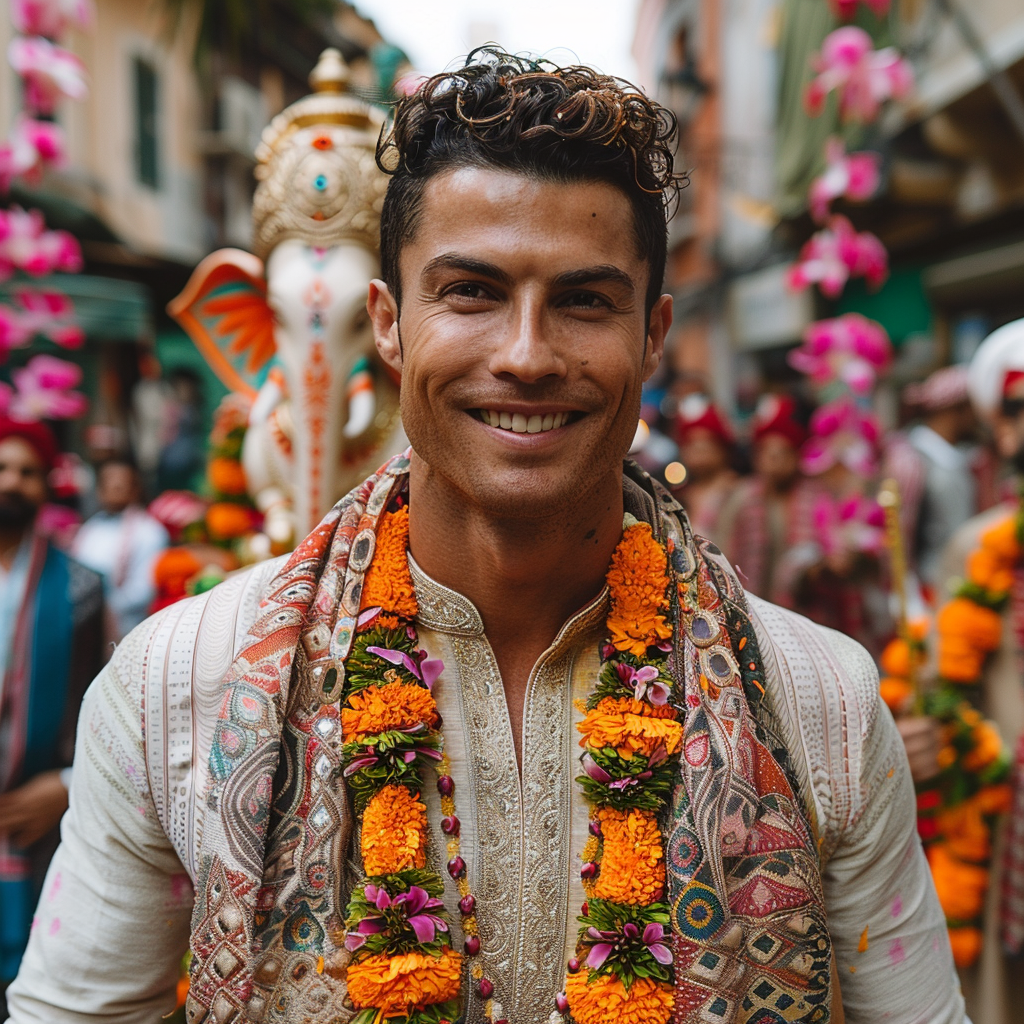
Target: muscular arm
x,y
112,922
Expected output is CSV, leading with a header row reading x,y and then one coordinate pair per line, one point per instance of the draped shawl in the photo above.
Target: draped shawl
x,y
748,922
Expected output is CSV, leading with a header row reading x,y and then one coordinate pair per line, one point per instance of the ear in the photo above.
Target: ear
x,y
657,332
383,310
224,310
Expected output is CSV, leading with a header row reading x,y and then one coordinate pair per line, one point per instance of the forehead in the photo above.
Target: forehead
x,y
521,222
16,451
116,472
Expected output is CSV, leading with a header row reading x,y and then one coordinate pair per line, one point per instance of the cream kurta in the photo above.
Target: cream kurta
x,y
114,917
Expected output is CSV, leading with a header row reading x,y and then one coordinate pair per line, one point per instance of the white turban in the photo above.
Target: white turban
x,y
999,354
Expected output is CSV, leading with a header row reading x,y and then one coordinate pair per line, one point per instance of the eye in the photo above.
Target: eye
x,y
586,300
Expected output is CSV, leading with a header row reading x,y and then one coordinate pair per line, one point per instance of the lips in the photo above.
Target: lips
x,y
520,423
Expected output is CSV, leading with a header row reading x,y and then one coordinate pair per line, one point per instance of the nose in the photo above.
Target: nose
x,y
526,350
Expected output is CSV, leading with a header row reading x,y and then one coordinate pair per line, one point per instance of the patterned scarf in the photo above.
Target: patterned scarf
x,y
749,933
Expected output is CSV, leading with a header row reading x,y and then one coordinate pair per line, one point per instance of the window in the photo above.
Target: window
x,y
147,153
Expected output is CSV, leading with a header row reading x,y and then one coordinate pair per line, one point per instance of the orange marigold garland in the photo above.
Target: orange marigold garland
x,y
957,813
631,737
404,966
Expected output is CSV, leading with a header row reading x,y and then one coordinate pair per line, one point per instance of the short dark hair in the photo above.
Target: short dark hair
x,y
123,460
534,118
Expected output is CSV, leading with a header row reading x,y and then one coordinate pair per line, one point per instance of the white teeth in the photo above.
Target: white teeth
x,y
519,423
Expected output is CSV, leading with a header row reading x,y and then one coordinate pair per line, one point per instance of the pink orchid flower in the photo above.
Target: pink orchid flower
x,y
42,390
426,670
417,906
49,71
37,313
50,18
841,434
31,146
26,245
853,175
645,682
846,9
850,349
653,939
864,77
836,253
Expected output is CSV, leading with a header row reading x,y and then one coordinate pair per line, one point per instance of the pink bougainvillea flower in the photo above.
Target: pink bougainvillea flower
x,y
850,349
32,314
26,245
864,77
49,71
43,390
836,253
31,146
841,434
853,175
50,18
846,9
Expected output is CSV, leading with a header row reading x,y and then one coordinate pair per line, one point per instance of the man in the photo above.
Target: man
x,y
995,985
706,445
122,543
933,468
51,613
451,630
767,511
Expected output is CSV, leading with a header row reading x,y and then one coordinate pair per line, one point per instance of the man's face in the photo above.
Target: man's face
x,y
116,488
22,484
776,460
523,341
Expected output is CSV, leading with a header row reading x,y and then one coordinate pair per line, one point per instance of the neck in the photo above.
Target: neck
x,y
525,577
944,427
10,541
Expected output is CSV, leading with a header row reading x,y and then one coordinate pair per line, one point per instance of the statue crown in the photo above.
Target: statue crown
x,y
316,167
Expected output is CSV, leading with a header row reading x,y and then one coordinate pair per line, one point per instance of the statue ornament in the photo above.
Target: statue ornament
x,y
287,326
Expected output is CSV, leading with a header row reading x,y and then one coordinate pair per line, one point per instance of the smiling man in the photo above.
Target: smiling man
x,y
501,740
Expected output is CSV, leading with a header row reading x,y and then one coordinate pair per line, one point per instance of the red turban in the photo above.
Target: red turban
x,y
776,414
38,435
698,412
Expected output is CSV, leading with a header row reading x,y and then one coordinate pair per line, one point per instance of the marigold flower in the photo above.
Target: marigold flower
x,y
966,834
392,706
173,569
895,692
633,861
960,886
399,984
1002,540
394,833
982,627
895,660
966,946
959,660
226,520
388,583
994,799
606,1001
988,745
631,727
988,570
226,475
638,581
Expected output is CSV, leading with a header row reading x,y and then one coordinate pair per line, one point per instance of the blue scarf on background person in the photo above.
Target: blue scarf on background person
x,y
32,708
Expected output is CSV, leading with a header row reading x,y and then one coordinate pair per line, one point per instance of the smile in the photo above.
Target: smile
x,y
520,423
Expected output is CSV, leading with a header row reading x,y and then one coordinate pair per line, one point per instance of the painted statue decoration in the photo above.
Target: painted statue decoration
x,y
288,326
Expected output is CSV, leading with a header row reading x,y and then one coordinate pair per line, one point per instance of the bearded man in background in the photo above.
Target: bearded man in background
x,y
364,757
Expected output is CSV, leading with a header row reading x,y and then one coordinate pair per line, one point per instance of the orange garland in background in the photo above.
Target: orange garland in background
x,y
956,815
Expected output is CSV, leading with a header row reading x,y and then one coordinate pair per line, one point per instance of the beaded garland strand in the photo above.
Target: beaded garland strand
x,y
404,967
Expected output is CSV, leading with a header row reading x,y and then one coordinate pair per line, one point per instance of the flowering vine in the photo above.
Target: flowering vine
x,y
36,142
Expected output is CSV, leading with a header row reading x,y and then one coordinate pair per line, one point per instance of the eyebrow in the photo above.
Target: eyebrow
x,y
570,279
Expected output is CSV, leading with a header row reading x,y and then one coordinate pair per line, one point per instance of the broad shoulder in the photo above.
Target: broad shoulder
x,y
194,640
